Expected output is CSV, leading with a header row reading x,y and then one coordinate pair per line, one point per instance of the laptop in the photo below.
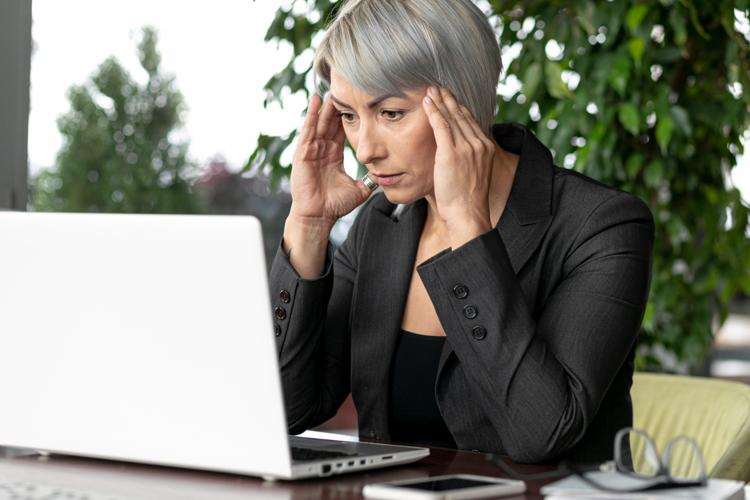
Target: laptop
x,y
149,338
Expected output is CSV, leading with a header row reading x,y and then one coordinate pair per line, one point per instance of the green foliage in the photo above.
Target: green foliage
x,y
119,152
269,149
637,96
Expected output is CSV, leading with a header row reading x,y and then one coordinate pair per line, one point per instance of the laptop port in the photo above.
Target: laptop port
x,y
350,463
387,457
362,462
326,469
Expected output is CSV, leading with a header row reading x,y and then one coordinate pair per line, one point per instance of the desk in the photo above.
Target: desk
x,y
135,482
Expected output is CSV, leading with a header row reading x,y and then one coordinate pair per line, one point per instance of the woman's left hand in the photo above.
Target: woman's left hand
x,y
463,167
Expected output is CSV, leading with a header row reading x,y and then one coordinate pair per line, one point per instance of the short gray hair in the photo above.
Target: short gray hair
x,y
388,46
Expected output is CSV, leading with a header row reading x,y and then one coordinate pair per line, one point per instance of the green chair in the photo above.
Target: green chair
x,y
716,413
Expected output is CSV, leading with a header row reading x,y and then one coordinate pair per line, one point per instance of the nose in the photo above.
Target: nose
x,y
369,146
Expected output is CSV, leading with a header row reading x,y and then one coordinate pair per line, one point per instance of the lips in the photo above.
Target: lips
x,y
386,180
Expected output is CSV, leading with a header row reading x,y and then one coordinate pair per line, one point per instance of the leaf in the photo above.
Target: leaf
x,y
654,173
694,20
268,152
682,120
531,79
732,60
629,117
620,73
679,26
648,316
635,15
634,165
666,55
585,23
614,18
664,128
553,78
636,46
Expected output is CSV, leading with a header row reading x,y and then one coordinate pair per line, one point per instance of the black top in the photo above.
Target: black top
x,y
414,413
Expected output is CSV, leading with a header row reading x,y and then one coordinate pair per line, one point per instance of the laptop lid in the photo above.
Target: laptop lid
x,y
144,338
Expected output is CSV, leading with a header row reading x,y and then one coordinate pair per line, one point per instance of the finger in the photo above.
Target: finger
x,y
327,121
338,140
439,98
340,136
440,126
311,120
457,114
364,190
478,132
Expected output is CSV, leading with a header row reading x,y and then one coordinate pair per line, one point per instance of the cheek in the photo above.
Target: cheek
x,y
421,149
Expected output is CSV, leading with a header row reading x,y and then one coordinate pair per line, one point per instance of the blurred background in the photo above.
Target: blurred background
x,y
192,107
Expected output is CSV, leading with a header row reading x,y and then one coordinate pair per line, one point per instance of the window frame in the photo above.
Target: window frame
x,y
15,57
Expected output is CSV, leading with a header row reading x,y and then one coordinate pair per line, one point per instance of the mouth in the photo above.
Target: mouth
x,y
386,179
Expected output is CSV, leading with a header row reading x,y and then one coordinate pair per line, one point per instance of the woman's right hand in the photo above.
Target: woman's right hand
x,y
322,191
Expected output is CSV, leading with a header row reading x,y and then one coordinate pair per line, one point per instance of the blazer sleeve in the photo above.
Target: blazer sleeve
x,y
313,339
553,367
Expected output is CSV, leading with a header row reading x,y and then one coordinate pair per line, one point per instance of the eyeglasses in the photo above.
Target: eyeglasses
x,y
637,465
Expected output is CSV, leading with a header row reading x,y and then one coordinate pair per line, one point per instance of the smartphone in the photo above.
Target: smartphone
x,y
454,486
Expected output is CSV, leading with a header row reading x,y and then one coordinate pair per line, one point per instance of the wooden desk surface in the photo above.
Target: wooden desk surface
x,y
118,480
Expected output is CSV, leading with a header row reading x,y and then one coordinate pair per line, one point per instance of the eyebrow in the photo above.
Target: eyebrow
x,y
370,104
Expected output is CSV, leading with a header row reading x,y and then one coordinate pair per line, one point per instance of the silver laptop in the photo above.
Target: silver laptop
x,y
149,338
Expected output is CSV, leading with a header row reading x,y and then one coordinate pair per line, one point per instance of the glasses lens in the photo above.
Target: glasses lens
x,y
644,459
684,460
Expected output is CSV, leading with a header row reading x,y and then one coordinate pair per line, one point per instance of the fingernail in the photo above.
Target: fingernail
x,y
427,99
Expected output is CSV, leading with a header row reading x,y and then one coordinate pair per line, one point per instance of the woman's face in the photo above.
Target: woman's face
x,y
391,136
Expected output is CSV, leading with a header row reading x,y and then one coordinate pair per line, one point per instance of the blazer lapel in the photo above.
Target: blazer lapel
x,y
530,200
389,248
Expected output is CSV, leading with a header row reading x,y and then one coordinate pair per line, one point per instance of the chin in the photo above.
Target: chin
x,y
399,197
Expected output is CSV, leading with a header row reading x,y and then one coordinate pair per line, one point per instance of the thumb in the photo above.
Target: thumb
x,y
364,191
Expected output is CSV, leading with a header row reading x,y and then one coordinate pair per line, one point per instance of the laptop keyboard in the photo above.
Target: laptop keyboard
x,y
315,454
21,490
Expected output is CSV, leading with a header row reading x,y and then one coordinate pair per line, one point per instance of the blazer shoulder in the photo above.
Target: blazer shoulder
x,y
578,196
586,210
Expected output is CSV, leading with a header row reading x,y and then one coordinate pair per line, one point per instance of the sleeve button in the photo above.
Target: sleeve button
x,y
276,329
279,313
460,291
471,311
478,332
284,296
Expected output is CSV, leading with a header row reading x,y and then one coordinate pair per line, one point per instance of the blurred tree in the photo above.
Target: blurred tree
x,y
647,96
121,152
225,192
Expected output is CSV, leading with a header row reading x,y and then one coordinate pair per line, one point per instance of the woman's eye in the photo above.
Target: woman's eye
x,y
347,117
392,115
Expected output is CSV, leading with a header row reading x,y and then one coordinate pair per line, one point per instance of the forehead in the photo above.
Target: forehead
x,y
344,92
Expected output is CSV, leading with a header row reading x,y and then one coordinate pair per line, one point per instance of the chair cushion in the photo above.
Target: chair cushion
x,y
716,413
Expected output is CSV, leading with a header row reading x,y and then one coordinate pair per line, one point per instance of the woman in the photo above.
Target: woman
x,y
485,299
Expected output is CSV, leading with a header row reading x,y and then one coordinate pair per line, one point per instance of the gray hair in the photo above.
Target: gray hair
x,y
388,46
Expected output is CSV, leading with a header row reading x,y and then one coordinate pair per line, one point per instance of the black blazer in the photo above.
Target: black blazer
x,y
541,372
